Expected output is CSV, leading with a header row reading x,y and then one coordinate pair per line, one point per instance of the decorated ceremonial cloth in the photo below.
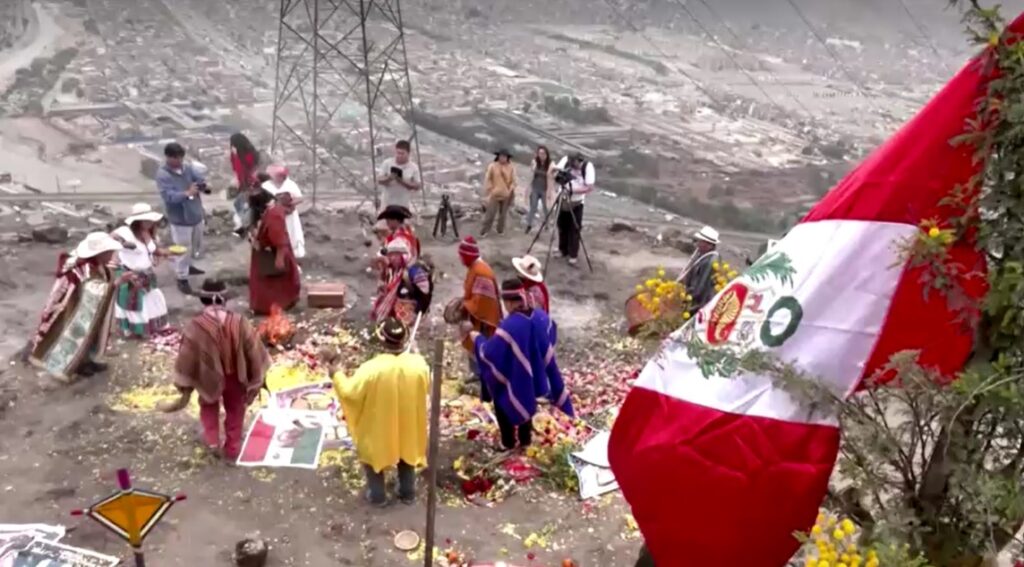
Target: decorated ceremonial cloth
x,y
518,365
721,465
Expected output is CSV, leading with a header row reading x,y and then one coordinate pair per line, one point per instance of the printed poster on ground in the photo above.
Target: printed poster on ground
x,y
284,438
322,404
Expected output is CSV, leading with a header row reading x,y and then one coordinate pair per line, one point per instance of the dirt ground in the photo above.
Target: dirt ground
x,y
61,444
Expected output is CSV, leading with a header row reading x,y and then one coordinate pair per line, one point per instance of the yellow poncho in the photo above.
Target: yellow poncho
x,y
385,405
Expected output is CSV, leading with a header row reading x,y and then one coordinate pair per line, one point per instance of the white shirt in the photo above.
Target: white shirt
x,y
292,221
141,258
580,180
395,193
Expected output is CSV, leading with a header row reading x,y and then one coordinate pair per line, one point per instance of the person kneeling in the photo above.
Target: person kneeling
x,y
517,366
386,411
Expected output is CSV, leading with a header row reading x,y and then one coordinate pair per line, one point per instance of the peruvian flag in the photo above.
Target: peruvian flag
x,y
723,470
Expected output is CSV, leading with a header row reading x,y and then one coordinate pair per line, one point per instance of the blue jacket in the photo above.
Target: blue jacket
x,y
180,210
518,365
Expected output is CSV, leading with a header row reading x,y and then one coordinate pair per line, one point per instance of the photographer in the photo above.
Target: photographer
x,y
400,177
576,174
180,187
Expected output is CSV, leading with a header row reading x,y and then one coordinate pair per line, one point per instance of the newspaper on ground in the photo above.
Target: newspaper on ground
x,y
592,467
43,553
36,545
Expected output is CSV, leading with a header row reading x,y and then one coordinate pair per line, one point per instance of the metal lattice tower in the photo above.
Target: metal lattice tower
x,y
342,88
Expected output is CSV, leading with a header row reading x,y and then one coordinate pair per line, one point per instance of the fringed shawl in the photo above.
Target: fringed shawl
x,y
218,344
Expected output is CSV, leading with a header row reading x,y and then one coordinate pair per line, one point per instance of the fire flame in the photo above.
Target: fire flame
x,y
276,329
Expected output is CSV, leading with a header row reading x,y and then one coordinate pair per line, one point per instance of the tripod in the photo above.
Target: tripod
x,y
564,194
444,214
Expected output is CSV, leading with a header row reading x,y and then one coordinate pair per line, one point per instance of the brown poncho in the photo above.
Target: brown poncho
x,y
217,344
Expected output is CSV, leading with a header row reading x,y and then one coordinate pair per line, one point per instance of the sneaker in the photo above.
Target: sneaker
x,y
573,261
240,232
529,229
194,271
407,500
185,287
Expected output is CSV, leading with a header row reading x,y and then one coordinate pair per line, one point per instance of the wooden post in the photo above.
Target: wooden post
x,y
435,440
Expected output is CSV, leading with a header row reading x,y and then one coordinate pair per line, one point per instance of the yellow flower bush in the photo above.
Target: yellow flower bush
x,y
833,542
668,300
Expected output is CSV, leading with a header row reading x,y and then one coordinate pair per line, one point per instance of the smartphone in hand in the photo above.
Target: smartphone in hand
x,y
396,171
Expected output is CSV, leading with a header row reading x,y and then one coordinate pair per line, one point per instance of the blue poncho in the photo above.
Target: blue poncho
x,y
518,366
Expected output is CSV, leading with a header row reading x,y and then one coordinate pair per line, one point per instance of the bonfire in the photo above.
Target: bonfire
x,y
276,330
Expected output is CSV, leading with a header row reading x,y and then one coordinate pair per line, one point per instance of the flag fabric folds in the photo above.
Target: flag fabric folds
x,y
720,465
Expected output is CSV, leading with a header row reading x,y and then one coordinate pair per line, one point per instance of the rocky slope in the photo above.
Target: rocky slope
x,y
15,19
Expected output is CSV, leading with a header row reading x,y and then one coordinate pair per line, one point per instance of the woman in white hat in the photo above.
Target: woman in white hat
x,y
140,309
75,325
531,273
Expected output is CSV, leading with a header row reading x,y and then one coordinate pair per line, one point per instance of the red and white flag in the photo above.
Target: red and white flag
x,y
722,471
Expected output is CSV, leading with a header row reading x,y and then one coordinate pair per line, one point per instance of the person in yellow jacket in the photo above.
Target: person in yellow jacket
x,y
385,406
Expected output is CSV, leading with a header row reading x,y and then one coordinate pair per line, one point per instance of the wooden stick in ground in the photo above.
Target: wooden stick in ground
x,y
435,440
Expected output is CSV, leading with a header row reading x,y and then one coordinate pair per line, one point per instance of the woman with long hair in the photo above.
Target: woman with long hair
x,y
139,306
245,162
273,271
541,185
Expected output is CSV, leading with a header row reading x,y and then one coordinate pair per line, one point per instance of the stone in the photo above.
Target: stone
x,y
619,226
251,552
50,234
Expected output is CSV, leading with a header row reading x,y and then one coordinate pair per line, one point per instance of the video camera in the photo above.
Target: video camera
x,y
564,176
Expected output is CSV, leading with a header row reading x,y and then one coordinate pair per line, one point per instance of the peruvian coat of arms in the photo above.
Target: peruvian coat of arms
x,y
755,310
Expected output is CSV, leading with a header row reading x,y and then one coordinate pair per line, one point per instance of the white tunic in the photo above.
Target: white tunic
x,y
292,221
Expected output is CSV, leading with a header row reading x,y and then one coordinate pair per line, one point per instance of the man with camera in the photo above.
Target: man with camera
x,y
180,186
575,175
400,177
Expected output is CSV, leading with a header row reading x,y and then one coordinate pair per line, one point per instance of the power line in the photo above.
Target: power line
x,y
700,86
833,54
926,36
728,54
728,28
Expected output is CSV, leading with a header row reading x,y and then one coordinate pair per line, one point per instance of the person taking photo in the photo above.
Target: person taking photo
x,y
400,178
570,216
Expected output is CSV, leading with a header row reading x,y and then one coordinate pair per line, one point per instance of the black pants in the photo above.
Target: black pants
x,y
568,235
510,433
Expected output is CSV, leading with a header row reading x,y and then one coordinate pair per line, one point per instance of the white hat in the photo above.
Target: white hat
x,y
529,267
707,234
96,243
143,212
397,246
